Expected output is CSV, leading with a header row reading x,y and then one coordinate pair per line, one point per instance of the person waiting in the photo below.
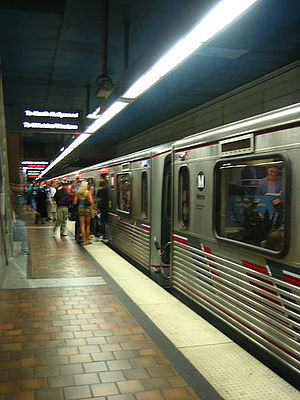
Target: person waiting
x,y
84,199
61,199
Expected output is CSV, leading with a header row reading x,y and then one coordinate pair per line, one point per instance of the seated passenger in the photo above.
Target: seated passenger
x,y
275,240
272,183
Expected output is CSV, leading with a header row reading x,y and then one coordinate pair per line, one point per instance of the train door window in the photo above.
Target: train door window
x,y
184,197
144,196
124,192
166,210
251,202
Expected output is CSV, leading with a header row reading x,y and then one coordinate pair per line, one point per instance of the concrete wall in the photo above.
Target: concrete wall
x,y
5,208
277,89
14,153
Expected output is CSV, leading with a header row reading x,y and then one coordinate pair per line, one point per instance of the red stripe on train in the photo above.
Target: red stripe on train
x,y
292,278
255,267
295,356
180,239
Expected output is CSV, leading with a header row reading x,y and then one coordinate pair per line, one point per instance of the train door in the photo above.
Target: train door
x,y
166,211
161,183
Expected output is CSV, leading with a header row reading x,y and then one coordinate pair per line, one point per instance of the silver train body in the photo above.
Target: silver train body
x,y
192,215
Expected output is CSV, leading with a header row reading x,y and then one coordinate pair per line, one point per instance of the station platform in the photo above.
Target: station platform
x,y
83,323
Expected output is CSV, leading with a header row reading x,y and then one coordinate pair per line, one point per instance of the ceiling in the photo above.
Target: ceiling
x,y
53,53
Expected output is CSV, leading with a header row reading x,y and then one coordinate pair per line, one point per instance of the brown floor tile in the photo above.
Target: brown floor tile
x,y
126,396
150,395
105,389
111,376
8,387
49,394
140,373
30,384
177,394
77,392
97,366
131,386
20,396
155,383
77,342
86,379
60,381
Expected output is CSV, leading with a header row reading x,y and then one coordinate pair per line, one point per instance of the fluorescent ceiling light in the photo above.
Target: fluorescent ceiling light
x,y
95,114
107,115
81,138
223,14
218,18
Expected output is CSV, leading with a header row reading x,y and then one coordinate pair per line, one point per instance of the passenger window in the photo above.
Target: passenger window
x,y
112,181
124,192
144,194
251,202
184,197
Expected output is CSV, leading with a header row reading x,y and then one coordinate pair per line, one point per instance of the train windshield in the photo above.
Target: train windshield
x,y
251,202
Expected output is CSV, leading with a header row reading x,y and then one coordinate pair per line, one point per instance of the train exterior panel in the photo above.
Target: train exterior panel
x,y
129,211
216,217
222,256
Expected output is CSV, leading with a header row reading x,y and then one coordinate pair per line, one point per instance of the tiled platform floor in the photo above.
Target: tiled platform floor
x,y
77,342
60,256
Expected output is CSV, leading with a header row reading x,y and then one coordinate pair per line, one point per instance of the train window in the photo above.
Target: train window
x,y
112,181
251,202
184,197
124,192
144,194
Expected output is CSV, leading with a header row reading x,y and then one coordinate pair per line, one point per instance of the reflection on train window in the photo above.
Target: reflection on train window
x,y
251,202
124,192
144,194
184,197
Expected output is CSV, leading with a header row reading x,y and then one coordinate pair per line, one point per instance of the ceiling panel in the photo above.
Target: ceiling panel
x,y
52,54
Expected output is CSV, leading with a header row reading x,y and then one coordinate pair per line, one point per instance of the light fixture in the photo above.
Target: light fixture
x,y
107,115
95,114
62,149
217,19
81,138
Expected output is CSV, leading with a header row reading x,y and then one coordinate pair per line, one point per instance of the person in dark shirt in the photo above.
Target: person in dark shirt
x,y
61,199
41,205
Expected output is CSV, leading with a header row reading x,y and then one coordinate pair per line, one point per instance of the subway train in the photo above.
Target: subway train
x,y
216,217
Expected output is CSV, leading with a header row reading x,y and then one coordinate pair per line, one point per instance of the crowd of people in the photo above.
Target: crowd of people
x,y
56,202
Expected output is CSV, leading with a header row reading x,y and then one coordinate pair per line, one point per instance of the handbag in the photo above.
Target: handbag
x,y
96,226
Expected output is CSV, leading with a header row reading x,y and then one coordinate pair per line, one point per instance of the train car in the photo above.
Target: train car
x,y
236,230
215,217
139,223
139,218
